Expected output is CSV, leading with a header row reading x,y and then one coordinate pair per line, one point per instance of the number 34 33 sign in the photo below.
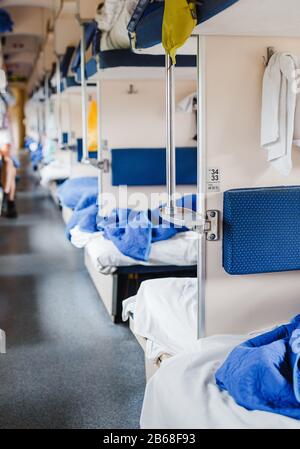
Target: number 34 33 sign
x,y
213,180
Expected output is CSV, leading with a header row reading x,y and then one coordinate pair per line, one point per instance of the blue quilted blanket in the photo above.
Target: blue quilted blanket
x,y
133,232
85,215
72,191
264,373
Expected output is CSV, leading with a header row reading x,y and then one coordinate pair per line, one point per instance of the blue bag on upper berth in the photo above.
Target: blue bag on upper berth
x,y
72,190
85,215
133,232
264,372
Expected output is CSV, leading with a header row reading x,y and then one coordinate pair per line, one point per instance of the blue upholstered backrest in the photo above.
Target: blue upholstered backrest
x,y
65,138
261,230
147,166
91,155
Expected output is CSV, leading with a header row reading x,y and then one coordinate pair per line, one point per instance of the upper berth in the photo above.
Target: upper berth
x,y
220,17
124,63
275,18
145,26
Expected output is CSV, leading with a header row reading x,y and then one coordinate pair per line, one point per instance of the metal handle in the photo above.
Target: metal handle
x,y
170,131
83,95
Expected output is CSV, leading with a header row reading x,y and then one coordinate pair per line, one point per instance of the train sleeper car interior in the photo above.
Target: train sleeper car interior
x,y
149,217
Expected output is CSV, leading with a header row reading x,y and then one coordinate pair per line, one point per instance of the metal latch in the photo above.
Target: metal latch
x,y
212,225
209,225
103,165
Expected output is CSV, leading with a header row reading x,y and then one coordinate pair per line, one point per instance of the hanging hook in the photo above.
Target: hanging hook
x,y
132,90
270,52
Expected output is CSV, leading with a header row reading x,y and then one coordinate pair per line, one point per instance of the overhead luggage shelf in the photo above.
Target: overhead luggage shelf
x,y
144,73
255,18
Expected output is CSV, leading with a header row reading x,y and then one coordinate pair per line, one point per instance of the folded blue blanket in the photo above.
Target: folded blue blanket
x,y
85,215
72,190
264,373
133,232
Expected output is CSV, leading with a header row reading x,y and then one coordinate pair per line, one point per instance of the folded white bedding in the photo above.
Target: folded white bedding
x,y
181,250
53,172
81,239
183,394
165,313
112,19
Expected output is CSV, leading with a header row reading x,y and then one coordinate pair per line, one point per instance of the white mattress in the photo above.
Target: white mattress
x,y
181,250
53,172
165,313
183,394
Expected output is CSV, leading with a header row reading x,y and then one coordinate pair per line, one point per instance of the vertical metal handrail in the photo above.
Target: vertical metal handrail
x,y
59,106
201,183
83,96
99,149
170,132
47,100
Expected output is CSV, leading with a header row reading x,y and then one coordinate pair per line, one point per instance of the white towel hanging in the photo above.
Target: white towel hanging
x,y
279,111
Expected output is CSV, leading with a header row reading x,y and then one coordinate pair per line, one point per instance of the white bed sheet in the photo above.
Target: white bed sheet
x,y
181,250
54,172
183,393
81,239
165,314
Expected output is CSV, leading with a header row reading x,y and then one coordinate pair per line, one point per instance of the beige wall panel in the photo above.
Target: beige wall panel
x,y
88,8
238,304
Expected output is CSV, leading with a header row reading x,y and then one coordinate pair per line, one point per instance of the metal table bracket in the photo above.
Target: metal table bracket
x,y
103,165
209,225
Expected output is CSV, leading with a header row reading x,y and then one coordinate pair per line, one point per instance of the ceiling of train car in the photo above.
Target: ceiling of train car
x,y
33,3
21,48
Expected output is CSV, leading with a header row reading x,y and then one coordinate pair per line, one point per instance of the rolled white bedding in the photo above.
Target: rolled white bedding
x,y
53,172
181,250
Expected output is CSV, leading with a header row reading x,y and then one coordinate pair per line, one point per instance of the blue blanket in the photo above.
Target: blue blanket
x,y
264,373
133,232
85,215
6,23
73,190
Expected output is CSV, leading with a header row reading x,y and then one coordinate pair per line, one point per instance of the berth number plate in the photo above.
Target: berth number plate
x,y
213,180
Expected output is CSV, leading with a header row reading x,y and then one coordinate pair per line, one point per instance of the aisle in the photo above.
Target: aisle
x,y
67,365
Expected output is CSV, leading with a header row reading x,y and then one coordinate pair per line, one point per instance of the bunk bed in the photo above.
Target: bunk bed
x,y
193,370
124,64
67,163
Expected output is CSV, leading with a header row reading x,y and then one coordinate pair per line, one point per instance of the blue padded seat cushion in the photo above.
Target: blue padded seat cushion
x,y
147,166
261,230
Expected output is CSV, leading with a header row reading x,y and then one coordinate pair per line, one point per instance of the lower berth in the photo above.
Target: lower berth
x,y
167,322
115,282
180,251
183,394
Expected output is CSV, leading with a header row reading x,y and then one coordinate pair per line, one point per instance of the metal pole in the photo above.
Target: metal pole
x,y
201,182
83,96
58,90
170,132
47,101
100,137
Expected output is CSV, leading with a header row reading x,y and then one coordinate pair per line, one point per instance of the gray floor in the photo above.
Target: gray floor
x,y
67,365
